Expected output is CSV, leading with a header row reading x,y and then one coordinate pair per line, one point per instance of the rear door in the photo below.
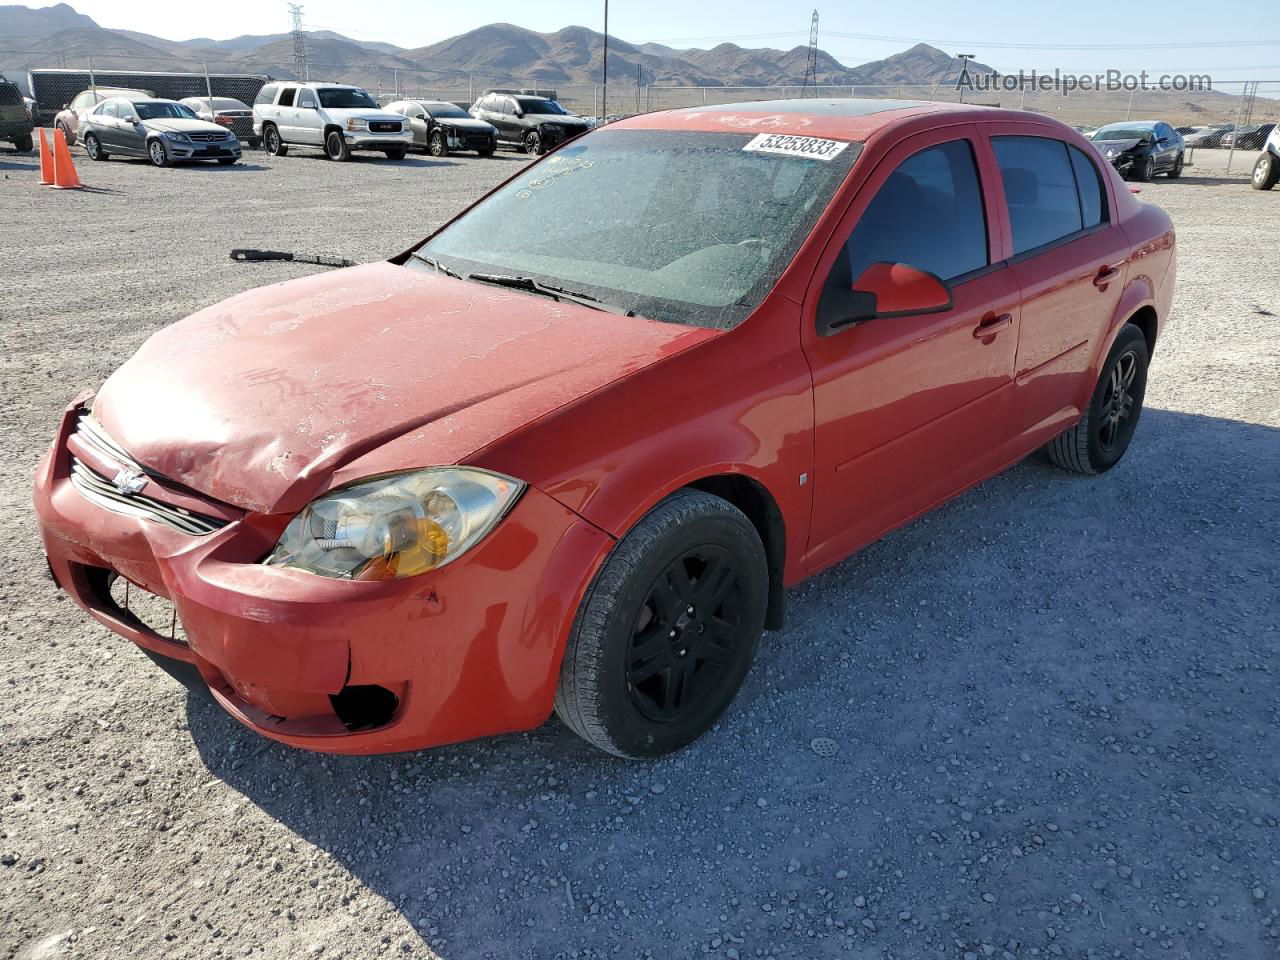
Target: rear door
x,y
910,410
1070,261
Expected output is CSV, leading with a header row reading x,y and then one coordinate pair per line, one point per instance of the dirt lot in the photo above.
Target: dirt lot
x,y
1054,699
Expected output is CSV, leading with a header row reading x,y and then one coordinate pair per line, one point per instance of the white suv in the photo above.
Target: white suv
x,y
333,116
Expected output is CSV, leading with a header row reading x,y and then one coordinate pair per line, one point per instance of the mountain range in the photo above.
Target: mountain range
x,y
59,36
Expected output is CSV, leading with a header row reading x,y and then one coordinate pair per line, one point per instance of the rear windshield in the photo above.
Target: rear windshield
x,y
9,95
679,226
338,98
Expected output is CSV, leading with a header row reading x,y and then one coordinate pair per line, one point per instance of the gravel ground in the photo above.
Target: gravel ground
x,y
1053,702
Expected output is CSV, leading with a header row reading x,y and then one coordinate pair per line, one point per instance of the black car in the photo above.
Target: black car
x,y
1140,149
441,128
15,118
1249,138
160,130
533,124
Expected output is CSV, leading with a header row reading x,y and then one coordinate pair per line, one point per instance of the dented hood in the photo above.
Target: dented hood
x,y
258,400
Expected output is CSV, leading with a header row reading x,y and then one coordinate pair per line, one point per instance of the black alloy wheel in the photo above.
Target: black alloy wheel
x,y
686,633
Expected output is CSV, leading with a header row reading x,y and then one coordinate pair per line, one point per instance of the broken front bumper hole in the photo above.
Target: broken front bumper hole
x,y
365,706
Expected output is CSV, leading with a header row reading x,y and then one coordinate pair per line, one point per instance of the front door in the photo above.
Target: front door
x,y
1070,262
131,135
910,410
307,125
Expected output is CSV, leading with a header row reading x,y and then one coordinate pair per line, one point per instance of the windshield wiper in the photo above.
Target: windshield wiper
x,y
550,290
437,264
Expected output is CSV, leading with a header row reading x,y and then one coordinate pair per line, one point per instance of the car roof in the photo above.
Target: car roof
x,y
1138,124
844,118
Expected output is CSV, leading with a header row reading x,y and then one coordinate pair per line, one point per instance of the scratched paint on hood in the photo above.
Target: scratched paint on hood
x,y
257,400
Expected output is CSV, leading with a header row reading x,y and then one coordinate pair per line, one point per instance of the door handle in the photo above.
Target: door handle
x,y
991,325
1105,276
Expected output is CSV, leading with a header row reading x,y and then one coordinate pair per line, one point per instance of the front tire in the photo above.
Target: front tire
x,y
94,148
1099,439
533,143
271,140
1144,171
335,147
1266,172
437,146
667,632
157,154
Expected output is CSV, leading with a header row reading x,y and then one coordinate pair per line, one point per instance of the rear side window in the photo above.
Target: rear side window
x,y
1040,188
286,97
266,95
928,214
1093,196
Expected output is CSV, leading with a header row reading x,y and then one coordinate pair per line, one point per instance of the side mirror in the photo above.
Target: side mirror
x,y
883,290
519,113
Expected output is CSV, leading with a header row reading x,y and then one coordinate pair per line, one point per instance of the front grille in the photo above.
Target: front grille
x,y
100,490
208,137
384,126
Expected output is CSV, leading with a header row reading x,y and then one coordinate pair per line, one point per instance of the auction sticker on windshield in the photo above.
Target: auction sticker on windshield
x,y
812,147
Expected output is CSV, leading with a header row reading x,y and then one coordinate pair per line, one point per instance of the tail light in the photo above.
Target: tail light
x,y
223,119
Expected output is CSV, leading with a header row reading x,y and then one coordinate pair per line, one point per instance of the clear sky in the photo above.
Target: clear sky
x,y
1085,36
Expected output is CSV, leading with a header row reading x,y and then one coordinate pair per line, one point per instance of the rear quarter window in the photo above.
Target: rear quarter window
x,y
1040,190
266,95
1093,195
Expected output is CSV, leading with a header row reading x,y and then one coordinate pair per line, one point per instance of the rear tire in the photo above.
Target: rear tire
x,y
395,153
668,629
486,152
1099,439
335,147
271,140
94,148
67,135
23,144
1176,172
1266,172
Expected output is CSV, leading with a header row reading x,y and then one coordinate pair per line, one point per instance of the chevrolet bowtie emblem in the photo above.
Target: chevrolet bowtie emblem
x,y
129,482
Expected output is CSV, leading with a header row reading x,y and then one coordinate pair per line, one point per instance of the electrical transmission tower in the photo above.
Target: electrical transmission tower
x,y
299,43
811,66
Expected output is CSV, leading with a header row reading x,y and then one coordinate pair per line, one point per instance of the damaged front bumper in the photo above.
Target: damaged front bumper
x,y
333,665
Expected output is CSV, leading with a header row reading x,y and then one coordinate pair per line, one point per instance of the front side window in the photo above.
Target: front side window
x,y
306,99
928,214
345,98
639,238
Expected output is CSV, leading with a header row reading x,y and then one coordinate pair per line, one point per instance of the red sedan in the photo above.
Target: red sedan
x,y
569,451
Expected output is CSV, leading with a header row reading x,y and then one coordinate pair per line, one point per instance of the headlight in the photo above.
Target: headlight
x,y
396,526
178,137
355,123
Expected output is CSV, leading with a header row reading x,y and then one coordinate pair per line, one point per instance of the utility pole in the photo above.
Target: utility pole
x,y
299,43
811,64
964,59
604,97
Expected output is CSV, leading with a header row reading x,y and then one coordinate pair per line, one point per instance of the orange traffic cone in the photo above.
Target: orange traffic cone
x,y
46,160
64,171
